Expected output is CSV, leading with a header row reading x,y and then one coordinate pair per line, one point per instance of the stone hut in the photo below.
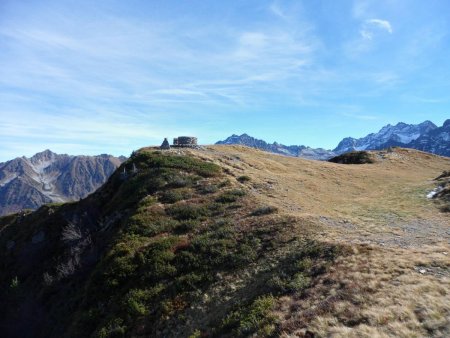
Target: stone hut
x,y
185,141
165,145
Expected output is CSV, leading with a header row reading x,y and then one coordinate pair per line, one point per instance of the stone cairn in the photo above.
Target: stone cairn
x,y
165,144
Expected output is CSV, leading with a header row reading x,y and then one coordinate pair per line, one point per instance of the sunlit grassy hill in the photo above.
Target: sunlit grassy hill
x,y
232,241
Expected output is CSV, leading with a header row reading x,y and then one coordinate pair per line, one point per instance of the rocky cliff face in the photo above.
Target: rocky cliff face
x,y
27,183
436,141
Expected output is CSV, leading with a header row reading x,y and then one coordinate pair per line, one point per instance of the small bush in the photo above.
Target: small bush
x,y
216,208
255,318
288,284
224,183
208,189
136,301
354,157
264,211
171,196
230,196
114,328
243,179
183,212
179,181
187,226
146,224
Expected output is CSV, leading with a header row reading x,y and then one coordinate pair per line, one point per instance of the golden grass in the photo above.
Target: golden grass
x,y
379,209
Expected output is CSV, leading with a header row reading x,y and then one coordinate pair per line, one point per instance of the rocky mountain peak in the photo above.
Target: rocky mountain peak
x,y
43,155
27,183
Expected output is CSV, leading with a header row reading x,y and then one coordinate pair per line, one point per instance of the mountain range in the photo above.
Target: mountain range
x,y
46,177
296,151
425,136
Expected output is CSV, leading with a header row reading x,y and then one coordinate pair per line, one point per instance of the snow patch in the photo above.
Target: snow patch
x,y
408,138
434,192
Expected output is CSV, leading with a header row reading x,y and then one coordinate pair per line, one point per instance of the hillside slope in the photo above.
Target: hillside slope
x,y
231,241
174,249
399,284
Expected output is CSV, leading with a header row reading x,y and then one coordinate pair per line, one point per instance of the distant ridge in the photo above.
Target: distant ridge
x,y
46,177
294,150
425,136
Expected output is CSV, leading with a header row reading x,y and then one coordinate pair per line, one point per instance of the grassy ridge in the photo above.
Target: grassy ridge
x,y
172,249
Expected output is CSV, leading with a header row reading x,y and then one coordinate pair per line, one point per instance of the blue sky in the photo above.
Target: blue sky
x,y
90,77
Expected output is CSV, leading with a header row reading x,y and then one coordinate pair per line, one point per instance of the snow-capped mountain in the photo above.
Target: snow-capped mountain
x,y
27,183
296,151
425,136
436,141
401,134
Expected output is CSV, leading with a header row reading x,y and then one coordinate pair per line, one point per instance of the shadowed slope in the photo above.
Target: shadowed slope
x,y
169,246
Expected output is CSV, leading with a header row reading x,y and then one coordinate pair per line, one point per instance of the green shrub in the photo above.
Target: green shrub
x,y
186,226
354,157
171,196
159,259
146,202
113,329
288,284
190,281
147,224
264,211
183,212
252,319
243,179
224,183
208,189
137,301
146,159
196,334
179,181
216,208
230,196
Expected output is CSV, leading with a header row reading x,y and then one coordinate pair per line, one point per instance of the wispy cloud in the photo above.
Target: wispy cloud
x,y
110,69
110,75
276,10
370,26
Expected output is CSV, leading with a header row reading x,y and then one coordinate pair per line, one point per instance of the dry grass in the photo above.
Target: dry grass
x,y
397,283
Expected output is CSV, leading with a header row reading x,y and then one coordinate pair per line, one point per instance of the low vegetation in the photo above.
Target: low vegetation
x,y
165,248
244,178
353,157
264,211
